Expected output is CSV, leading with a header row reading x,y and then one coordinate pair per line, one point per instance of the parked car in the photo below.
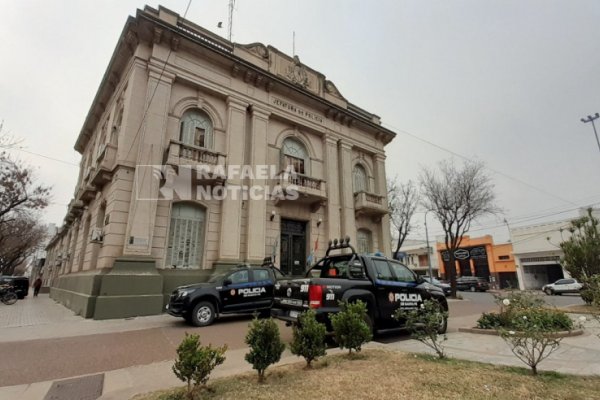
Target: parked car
x,y
242,290
472,283
561,286
446,288
385,285
20,284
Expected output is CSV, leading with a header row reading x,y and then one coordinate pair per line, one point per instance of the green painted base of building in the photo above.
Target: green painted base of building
x,y
133,287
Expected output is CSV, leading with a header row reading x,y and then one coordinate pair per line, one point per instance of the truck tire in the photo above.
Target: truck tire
x,y
443,325
203,314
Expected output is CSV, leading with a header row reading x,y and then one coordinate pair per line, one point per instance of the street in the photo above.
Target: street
x,y
41,340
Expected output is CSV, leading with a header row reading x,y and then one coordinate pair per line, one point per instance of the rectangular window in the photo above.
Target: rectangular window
x,y
261,275
403,274
504,258
383,270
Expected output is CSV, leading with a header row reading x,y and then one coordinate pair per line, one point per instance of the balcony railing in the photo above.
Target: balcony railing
x,y
369,204
303,181
179,153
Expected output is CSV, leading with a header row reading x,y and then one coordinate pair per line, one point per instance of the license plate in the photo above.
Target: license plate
x,y
294,314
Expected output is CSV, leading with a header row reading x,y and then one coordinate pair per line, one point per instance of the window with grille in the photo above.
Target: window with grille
x,y
196,129
186,236
360,179
295,155
363,241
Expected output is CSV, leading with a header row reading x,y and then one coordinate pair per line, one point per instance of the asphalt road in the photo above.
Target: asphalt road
x,y
48,359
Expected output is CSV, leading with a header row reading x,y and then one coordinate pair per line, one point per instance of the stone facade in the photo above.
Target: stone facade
x,y
175,94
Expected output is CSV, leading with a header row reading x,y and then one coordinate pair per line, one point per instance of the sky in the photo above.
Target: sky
x,y
500,81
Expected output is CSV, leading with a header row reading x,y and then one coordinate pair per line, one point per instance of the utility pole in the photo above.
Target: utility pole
x,y
592,119
428,252
230,22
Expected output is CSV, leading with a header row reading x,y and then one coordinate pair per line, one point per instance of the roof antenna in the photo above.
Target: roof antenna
x,y
230,22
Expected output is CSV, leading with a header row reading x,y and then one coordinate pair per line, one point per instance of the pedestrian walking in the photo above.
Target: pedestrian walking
x,y
37,284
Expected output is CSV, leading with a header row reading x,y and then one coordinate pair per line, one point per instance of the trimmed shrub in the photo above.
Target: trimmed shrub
x,y
265,344
195,362
351,330
309,338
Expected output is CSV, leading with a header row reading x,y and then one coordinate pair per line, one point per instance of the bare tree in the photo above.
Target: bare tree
x,y
19,238
403,199
18,191
457,197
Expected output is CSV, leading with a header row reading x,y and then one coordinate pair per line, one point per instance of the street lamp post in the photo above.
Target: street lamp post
x,y
591,119
428,252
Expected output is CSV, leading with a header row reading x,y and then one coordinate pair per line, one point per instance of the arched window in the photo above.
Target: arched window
x,y
360,179
294,154
363,241
196,129
186,236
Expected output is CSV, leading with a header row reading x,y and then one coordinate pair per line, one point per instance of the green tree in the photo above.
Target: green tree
x,y
582,249
265,344
195,362
351,327
309,338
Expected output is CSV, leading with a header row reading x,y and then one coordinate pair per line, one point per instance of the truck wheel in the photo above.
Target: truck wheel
x,y
473,289
203,314
369,323
548,291
443,326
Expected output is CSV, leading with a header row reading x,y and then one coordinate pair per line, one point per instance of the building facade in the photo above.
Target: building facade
x,y
417,256
481,257
186,151
537,251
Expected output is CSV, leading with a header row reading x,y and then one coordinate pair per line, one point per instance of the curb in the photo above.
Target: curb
x,y
493,332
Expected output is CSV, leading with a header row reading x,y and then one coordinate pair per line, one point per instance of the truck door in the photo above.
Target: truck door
x,y
386,290
406,281
263,282
234,295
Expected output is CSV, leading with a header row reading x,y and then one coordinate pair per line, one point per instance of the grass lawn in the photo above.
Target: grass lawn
x,y
382,375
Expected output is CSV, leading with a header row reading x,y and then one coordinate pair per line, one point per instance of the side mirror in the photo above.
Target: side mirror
x,y
420,280
227,282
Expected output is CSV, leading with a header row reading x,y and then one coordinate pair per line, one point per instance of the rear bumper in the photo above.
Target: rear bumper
x,y
291,316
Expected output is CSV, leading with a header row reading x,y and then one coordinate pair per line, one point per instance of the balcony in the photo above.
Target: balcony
x,y
369,204
105,163
310,190
213,163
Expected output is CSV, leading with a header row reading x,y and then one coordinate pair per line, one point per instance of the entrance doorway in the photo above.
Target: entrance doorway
x,y
293,247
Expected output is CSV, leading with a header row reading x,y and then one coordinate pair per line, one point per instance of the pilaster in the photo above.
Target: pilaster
x,y
333,188
345,191
231,215
384,234
257,208
144,195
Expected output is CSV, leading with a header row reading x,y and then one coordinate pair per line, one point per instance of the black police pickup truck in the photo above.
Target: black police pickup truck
x,y
243,289
383,284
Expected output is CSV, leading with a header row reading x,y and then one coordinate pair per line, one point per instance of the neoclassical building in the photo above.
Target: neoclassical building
x,y
177,96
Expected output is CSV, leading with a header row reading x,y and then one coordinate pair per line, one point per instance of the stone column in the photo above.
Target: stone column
x,y
231,207
333,192
381,187
144,195
344,183
257,209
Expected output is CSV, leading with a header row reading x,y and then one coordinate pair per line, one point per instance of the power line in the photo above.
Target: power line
x,y
487,167
45,156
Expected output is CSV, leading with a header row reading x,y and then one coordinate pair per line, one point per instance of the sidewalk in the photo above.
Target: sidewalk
x,y
576,355
42,318
122,384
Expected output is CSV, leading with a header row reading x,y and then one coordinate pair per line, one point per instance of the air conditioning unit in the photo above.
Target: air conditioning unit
x,y
96,235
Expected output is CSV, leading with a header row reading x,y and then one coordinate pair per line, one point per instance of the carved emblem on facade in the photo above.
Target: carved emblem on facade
x,y
297,73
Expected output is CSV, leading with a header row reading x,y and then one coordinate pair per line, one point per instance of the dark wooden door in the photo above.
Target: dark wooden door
x,y
293,247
